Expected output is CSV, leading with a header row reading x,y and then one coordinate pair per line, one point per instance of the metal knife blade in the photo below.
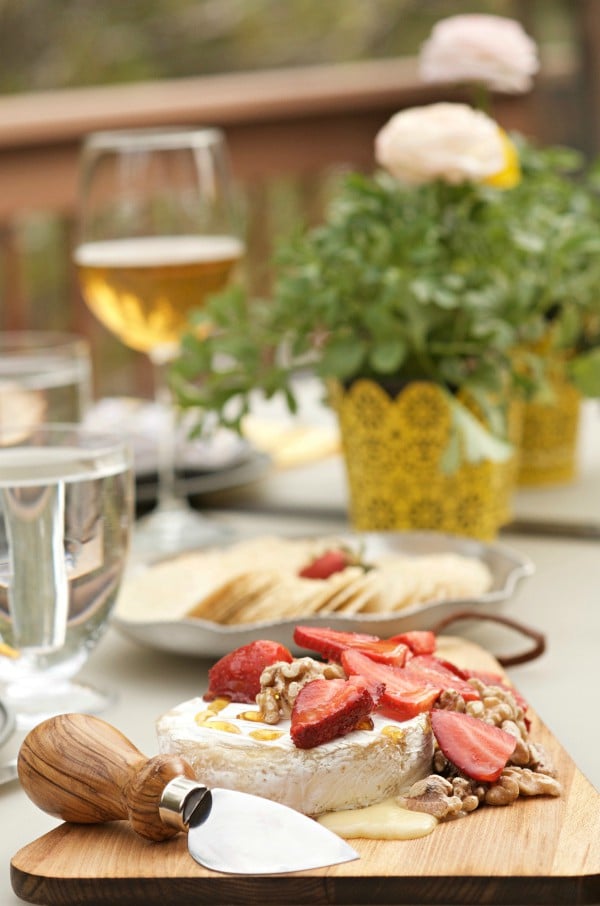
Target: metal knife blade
x,y
246,834
238,833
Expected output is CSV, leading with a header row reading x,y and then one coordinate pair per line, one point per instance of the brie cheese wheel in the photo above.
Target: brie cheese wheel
x,y
228,746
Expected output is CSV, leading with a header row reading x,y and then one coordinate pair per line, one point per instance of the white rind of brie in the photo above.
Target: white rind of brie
x,y
356,770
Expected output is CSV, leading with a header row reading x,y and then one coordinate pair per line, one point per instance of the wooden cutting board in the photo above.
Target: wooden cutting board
x,y
537,851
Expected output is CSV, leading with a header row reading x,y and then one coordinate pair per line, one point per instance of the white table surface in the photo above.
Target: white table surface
x,y
562,599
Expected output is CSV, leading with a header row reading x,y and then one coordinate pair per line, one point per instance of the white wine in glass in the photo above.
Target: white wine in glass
x,y
158,234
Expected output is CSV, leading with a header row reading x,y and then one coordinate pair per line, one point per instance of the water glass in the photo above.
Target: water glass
x,y
66,511
45,376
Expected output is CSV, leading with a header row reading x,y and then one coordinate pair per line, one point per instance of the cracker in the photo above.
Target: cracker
x,y
340,588
233,595
364,592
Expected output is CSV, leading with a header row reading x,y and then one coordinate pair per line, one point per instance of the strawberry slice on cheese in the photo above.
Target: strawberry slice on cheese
x,y
419,641
327,709
237,674
429,669
404,695
330,643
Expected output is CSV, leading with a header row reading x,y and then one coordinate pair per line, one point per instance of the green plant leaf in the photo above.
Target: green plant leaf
x,y
387,356
343,357
451,457
478,444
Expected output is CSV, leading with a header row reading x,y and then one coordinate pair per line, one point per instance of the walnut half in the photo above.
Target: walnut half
x,y
280,684
442,797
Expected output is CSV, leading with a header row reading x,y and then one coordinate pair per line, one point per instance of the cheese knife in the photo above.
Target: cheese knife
x,y
83,770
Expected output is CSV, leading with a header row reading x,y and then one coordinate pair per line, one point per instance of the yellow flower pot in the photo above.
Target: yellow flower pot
x,y
394,450
548,453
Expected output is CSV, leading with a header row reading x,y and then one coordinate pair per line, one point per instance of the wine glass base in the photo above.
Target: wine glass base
x,y
33,705
172,530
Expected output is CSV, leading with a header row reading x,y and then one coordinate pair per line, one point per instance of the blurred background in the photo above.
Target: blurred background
x,y
300,87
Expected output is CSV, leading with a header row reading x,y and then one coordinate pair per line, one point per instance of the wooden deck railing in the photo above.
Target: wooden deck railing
x,y
286,129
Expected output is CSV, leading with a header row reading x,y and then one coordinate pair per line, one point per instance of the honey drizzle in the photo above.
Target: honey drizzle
x,y
212,709
224,725
266,735
254,716
365,724
394,733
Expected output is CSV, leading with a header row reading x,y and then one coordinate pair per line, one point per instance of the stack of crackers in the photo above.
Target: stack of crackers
x,y
258,580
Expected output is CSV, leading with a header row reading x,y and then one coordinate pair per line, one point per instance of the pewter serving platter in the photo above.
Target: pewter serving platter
x,y
208,639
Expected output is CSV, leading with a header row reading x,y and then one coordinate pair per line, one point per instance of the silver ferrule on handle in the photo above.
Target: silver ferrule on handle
x,y
184,803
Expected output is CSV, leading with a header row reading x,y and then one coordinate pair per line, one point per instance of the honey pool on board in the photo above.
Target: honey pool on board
x,y
382,821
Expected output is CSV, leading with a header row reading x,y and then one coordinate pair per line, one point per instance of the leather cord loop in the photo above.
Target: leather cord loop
x,y
538,638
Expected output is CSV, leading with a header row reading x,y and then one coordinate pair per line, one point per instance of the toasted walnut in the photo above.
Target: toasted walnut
x,y
496,705
442,797
469,792
441,765
504,791
521,753
533,783
281,682
450,700
540,761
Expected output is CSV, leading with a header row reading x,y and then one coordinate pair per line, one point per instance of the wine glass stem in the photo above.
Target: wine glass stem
x,y
167,497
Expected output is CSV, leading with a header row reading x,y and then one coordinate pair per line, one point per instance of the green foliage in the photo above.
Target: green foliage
x,y
436,282
555,218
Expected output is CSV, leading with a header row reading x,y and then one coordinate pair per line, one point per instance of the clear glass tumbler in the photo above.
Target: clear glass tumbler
x,y
45,376
66,510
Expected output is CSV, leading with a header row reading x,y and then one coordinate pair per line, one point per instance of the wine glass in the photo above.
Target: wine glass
x,y
157,236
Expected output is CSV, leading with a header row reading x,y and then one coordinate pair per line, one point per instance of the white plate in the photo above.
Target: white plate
x,y
196,485
142,421
207,639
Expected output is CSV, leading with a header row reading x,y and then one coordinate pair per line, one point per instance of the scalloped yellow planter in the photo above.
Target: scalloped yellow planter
x,y
393,449
548,453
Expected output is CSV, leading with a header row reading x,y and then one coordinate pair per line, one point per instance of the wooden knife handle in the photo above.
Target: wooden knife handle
x,y
82,769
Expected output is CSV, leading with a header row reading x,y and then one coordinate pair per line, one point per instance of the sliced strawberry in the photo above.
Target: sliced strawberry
x,y
406,705
479,750
326,709
425,668
325,565
432,660
237,674
403,696
419,641
375,687
330,643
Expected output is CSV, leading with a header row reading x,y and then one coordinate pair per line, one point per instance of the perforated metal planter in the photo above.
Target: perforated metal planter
x,y
548,452
394,449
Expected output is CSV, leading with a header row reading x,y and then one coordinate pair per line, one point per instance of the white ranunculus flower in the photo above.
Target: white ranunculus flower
x,y
492,50
452,142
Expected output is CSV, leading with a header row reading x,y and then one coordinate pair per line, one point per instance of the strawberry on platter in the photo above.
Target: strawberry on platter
x,y
334,560
364,721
